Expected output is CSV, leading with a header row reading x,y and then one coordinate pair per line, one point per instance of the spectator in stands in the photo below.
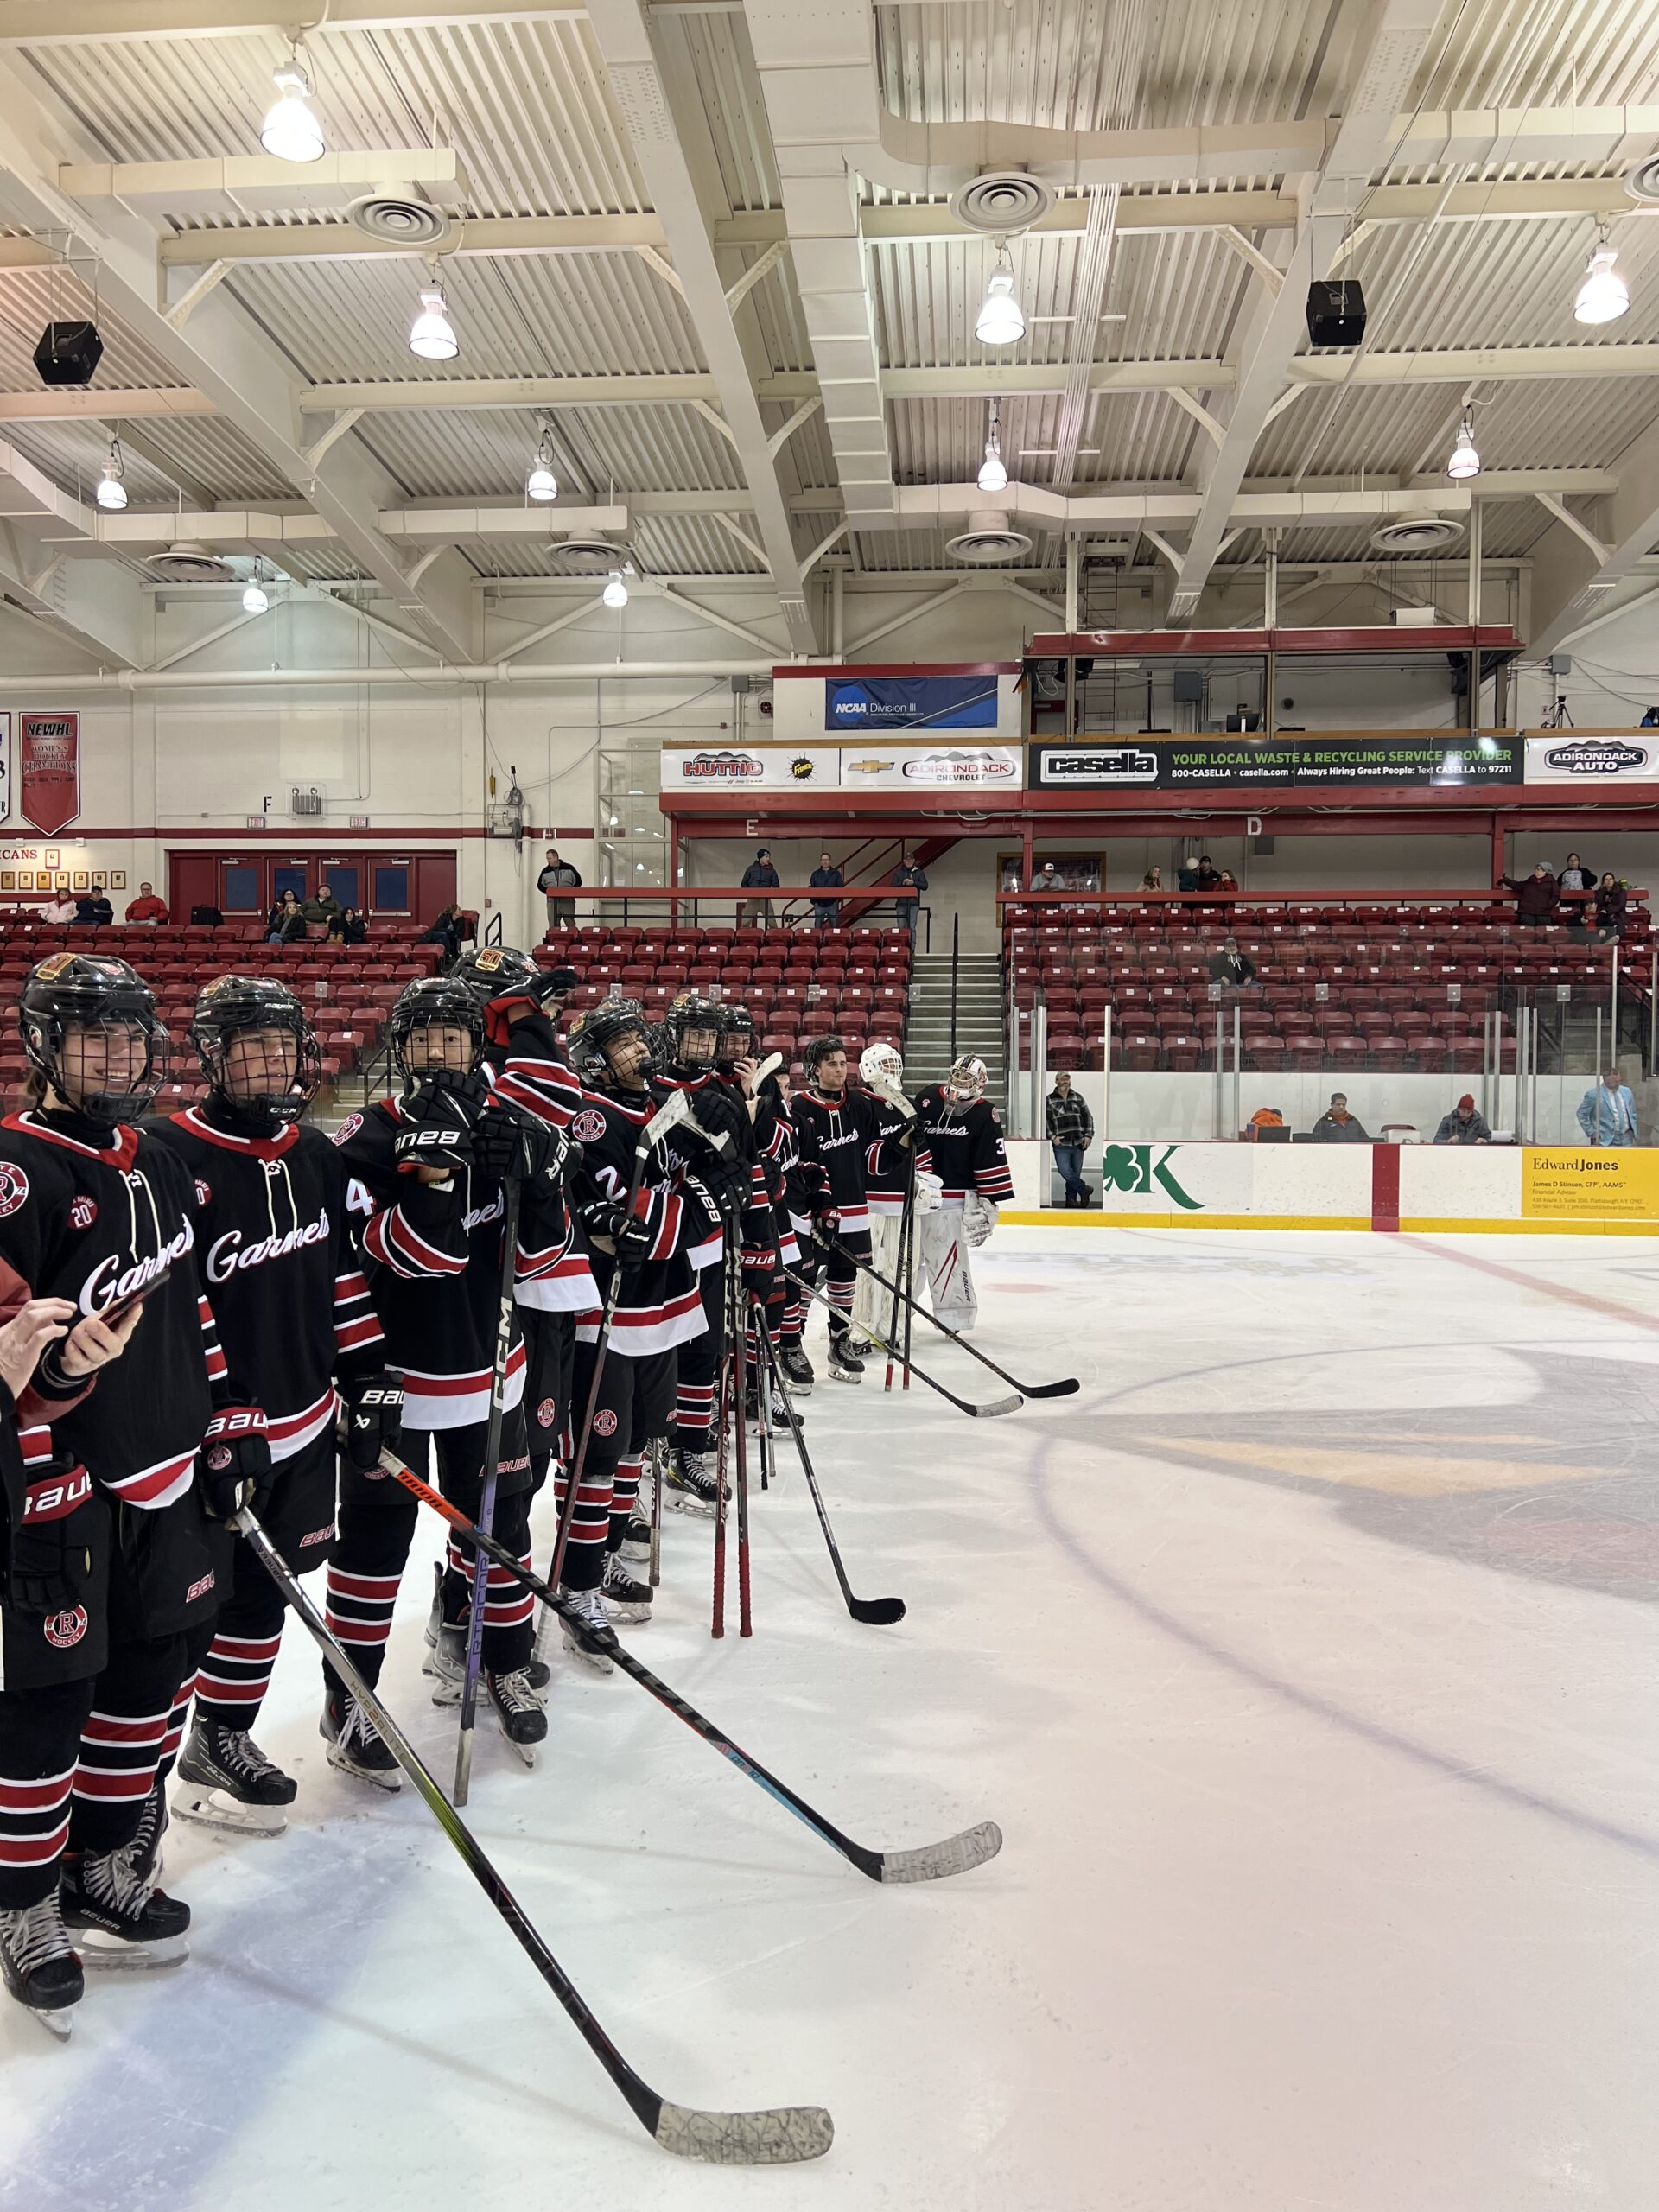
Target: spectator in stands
x,y
556,881
1209,874
760,876
1607,1111
1337,1125
1186,876
908,876
447,931
285,924
147,907
1231,966
825,877
350,927
93,911
1465,1124
1611,900
1153,879
1047,877
1070,1132
1229,881
322,907
1536,897
60,910
1265,1117
1574,876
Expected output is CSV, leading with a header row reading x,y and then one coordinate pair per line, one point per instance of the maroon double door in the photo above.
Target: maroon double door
x,y
390,885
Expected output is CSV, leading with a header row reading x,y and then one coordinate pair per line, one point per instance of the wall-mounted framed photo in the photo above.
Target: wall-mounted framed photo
x,y
118,880
53,878
8,878
52,856
83,880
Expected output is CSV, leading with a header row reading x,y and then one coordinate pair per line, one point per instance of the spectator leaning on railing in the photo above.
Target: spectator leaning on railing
x,y
1070,1132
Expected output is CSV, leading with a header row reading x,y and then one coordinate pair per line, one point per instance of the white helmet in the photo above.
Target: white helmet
x,y
880,1064
968,1077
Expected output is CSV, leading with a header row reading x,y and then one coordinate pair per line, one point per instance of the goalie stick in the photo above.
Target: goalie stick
x,y
1067,1387
930,1862
962,1405
781,2137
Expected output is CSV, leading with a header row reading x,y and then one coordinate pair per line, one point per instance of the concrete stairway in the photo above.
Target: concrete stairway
x,y
979,1020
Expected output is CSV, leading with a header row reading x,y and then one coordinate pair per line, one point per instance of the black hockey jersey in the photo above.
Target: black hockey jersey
x,y
833,1133
288,1288
432,1254
526,1068
774,1141
886,1160
658,1303
964,1141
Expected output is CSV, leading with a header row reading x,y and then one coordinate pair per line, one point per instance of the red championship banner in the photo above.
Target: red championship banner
x,y
48,770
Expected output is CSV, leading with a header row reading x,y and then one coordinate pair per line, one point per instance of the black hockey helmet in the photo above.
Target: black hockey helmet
x,y
599,1027
434,1002
736,1035
690,1014
233,1005
70,996
818,1051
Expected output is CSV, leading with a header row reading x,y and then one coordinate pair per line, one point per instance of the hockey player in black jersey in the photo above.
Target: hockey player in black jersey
x,y
95,1213
835,1127
774,1144
684,1189
963,1135
295,1320
429,1206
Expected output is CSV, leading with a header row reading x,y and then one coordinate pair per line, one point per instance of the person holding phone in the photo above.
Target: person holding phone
x,y
96,1214
298,1328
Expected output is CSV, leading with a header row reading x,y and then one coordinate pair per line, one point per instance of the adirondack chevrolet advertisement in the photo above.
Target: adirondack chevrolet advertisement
x,y
1327,762
870,767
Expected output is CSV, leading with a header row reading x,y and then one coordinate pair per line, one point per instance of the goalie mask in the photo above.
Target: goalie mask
x,y
968,1077
881,1063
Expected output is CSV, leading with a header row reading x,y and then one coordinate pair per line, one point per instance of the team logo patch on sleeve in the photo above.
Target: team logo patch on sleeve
x,y
14,1187
204,1192
65,1630
589,1127
547,1413
83,1211
604,1422
348,1128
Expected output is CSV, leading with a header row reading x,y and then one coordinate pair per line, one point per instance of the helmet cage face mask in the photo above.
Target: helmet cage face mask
x,y
419,1052
258,1053
89,1031
968,1077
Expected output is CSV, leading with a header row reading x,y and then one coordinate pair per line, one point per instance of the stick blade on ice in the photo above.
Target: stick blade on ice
x,y
785,2136
937,1862
1067,1387
877,1612
997,1406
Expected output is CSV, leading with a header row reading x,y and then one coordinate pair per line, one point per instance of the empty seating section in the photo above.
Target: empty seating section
x,y
1367,984
347,989
796,983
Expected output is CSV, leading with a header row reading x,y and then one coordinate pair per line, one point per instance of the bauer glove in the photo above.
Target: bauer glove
x,y
233,1466
49,1561
374,1418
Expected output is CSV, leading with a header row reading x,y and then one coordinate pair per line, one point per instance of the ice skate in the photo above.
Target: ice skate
x,y
636,1544
845,1365
39,1965
590,1634
518,1712
798,1367
693,1483
778,1413
353,1746
121,1918
625,1601
445,1663
228,1784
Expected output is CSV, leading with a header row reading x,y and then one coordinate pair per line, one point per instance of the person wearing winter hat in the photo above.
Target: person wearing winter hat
x,y
1465,1124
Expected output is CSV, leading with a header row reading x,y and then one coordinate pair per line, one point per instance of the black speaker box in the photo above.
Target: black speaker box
x,y
68,352
1335,314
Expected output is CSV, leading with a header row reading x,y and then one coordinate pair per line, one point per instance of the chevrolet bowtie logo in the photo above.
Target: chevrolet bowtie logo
x,y
866,767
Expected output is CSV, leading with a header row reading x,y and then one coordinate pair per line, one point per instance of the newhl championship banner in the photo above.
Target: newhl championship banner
x,y
48,770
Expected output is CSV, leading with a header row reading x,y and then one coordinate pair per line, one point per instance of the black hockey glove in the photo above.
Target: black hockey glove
x,y
612,1230
49,1561
717,1111
374,1418
435,1125
233,1466
508,1144
826,1222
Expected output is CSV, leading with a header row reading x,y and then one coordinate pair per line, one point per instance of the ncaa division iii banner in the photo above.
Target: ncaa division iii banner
x,y
910,703
48,770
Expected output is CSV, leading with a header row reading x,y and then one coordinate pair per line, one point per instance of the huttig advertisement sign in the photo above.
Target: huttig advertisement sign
x,y
48,770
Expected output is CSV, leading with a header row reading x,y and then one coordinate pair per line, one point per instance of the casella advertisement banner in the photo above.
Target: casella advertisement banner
x,y
1562,758
910,703
48,770
1323,763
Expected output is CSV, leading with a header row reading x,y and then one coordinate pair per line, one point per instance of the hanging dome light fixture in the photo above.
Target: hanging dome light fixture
x,y
1001,319
431,335
255,598
615,594
992,471
1466,459
540,483
1603,295
111,493
290,131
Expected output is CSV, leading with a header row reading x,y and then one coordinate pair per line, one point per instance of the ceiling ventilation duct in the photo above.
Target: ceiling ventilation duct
x,y
1643,181
1416,533
1001,203
398,214
586,556
188,563
988,539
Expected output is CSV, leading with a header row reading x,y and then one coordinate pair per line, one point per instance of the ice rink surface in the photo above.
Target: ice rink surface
x,y
1307,1658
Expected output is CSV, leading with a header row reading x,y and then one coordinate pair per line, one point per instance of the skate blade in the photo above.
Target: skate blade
x,y
102,1953
447,1692
692,1506
390,1782
634,1616
599,1660
524,1751
216,1808
60,2023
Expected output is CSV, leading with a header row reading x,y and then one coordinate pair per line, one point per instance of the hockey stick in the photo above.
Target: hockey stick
x,y
876,1612
962,1405
781,2137
722,1447
1067,1387
659,1456
675,1110
512,1191
735,1368
930,1862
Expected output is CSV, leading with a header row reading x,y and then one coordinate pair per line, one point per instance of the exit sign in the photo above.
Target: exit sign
x,y
357,822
